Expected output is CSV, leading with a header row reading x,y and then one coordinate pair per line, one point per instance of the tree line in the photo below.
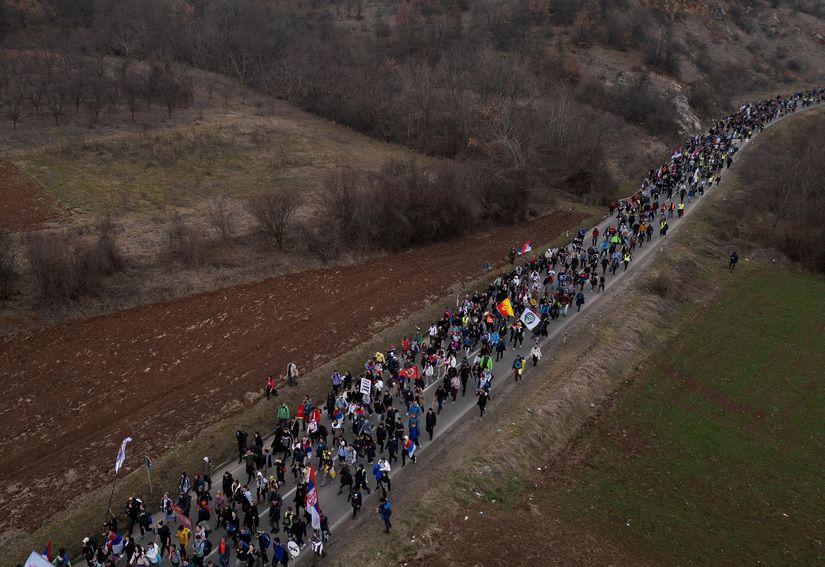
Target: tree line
x,y
55,84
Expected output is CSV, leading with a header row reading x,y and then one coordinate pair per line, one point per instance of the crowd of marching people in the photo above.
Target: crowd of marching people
x,y
373,423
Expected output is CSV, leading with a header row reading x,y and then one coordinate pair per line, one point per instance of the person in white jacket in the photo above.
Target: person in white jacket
x,y
535,352
153,554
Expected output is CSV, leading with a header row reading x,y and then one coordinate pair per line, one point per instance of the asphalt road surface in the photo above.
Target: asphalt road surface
x,y
336,507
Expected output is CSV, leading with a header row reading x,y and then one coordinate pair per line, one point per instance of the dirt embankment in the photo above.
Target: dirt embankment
x,y
160,373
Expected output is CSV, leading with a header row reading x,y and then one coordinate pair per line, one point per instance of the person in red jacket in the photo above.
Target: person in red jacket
x,y
271,389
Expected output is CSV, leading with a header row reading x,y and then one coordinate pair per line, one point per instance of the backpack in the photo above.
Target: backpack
x,y
264,541
207,547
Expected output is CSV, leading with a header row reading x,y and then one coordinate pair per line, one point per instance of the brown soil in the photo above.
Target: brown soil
x,y
24,205
162,372
531,533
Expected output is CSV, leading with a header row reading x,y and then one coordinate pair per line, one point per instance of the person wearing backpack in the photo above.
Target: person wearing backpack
x,y
174,555
263,543
198,551
518,367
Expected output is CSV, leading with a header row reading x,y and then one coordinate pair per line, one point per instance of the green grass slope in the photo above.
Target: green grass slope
x,y
717,455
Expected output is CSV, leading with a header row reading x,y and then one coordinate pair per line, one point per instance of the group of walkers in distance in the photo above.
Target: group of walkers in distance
x,y
374,423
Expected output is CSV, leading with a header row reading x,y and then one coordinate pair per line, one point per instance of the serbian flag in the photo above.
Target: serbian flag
x,y
526,248
409,447
506,308
410,373
121,454
311,500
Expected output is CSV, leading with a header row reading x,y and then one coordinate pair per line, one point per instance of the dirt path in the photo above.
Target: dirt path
x,y
24,205
83,385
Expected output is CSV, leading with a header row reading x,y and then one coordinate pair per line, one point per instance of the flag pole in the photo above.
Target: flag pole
x,y
109,505
121,457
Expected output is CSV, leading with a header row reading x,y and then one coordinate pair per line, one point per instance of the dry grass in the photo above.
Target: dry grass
x,y
235,151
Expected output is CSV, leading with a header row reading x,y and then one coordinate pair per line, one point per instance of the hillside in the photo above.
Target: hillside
x,y
532,101
175,187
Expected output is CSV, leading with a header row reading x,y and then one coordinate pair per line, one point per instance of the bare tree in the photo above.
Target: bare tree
x,y
56,97
78,71
133,87
274,211
36,93
174,91
221,214
243,67
98,87
12,103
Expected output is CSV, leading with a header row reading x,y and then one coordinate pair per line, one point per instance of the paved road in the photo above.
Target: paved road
x,y
335,506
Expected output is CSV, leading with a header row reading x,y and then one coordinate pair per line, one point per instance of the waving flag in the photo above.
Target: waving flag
x,y
526,248
409,447
311,501
121,455
410,373
506,308
530,319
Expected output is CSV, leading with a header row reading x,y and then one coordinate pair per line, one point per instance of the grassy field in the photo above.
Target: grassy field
x,y
236,150
716,455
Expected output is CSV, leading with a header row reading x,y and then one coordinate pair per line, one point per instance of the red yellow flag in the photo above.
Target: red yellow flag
x,y
506,308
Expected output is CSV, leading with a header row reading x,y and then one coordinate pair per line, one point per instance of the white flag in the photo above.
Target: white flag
x,y
530,319
121,455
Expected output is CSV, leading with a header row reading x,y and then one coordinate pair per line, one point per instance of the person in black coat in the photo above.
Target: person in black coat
x,y
429,422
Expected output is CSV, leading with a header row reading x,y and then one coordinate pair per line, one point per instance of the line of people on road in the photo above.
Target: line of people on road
x,y
371,424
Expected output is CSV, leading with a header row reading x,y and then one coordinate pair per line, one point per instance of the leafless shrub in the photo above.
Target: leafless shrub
x,y
65,267
274,211
53,268
103,256
185,244
662,52
317,242
221,213
339,202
